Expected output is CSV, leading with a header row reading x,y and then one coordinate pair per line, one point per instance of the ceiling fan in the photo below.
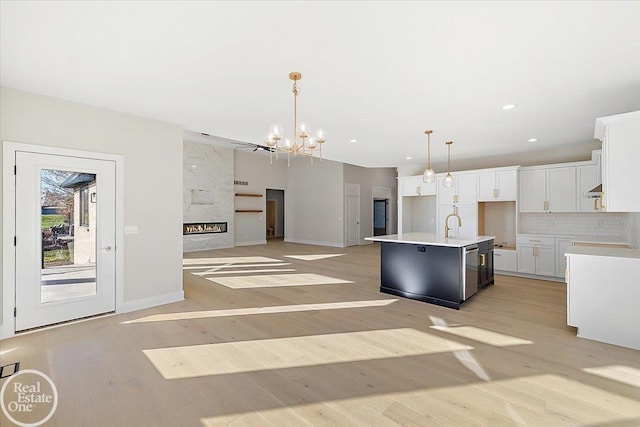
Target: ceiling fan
x,y
250,145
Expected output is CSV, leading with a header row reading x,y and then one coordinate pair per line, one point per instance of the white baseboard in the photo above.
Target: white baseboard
x,y
153,301
256,242
314,242
529,276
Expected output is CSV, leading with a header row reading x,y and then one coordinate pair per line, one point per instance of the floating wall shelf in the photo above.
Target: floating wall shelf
x,y
249,210
248,195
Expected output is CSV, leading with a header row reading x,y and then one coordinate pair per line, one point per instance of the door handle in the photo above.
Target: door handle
x,y
482,259
107,248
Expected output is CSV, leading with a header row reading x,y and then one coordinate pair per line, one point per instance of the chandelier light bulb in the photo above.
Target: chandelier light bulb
x,y
303,129
287,144
270,140
312,143
321,135
276,131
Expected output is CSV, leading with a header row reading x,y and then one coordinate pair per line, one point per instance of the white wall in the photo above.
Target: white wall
x,y
256,170
314,202
152,153
369,178
208,193
549,155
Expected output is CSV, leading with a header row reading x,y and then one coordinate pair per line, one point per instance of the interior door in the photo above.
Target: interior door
x,y
65,238
352,214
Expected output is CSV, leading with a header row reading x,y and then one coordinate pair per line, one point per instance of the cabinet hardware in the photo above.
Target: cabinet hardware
x,y
546,205
595,204
482,260
455,198
602,206
534,240
418,190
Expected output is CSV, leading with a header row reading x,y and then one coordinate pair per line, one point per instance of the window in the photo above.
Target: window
x,y
84,206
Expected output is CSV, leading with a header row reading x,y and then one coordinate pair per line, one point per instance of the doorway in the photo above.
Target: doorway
x,y
275,214
380,216
64,222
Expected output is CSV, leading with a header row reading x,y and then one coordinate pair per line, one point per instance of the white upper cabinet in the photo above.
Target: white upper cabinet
x,y
561,189
620,136
499,185
549,189
533,190
588,176
414,186
464,190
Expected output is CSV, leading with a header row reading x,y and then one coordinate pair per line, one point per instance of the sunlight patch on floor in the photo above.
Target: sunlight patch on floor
x,y
3,352
282,353
258,270
541,400
620,373
276,280
482,335
313,257
268,264
261,310
228,260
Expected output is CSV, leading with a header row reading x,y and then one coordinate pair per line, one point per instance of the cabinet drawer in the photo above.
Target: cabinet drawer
x,y
505,260
535,240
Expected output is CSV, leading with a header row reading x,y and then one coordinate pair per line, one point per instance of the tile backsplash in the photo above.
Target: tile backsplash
x,y
605,224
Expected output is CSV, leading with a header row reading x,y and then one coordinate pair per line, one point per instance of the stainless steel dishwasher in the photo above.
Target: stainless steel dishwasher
x,y
470,272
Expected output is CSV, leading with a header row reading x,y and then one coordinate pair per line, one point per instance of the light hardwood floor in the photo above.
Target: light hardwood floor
x,y
327,348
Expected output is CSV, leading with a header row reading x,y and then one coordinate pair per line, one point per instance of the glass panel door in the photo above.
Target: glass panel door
x,y
68,222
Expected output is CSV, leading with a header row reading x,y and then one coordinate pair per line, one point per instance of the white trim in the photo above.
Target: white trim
x,y
156,300
9,149
314,242
252,243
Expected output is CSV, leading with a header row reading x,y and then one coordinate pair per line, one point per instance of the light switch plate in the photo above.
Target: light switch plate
x,y
130,229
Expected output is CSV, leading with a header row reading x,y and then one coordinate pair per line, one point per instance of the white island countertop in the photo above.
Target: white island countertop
x,y
603,252
429,239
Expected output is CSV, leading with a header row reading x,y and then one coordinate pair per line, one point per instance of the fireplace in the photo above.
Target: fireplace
x,y
203,228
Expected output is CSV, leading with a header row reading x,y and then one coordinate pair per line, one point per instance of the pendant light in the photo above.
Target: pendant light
x,y
448,180
429,175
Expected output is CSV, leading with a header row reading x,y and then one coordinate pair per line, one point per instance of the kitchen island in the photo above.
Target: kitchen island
x,y
434,269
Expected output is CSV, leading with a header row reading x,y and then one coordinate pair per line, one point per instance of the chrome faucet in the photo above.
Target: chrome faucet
x,y
446,224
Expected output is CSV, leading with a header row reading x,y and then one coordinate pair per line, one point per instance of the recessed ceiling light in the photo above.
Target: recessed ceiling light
x,y
508,107
353,140
533,139
408,157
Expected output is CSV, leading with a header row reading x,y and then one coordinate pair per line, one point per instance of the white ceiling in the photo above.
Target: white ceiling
x,y
379,72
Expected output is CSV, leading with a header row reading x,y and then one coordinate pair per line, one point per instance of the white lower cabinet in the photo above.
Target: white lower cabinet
x,y
536,255
505,260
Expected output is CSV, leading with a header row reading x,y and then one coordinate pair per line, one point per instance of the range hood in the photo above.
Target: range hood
x,y
594,193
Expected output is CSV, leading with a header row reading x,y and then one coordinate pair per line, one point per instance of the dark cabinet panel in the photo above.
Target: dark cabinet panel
x,y
485,267
426,273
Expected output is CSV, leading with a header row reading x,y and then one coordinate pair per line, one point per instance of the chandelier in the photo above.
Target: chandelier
x,y
303,144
